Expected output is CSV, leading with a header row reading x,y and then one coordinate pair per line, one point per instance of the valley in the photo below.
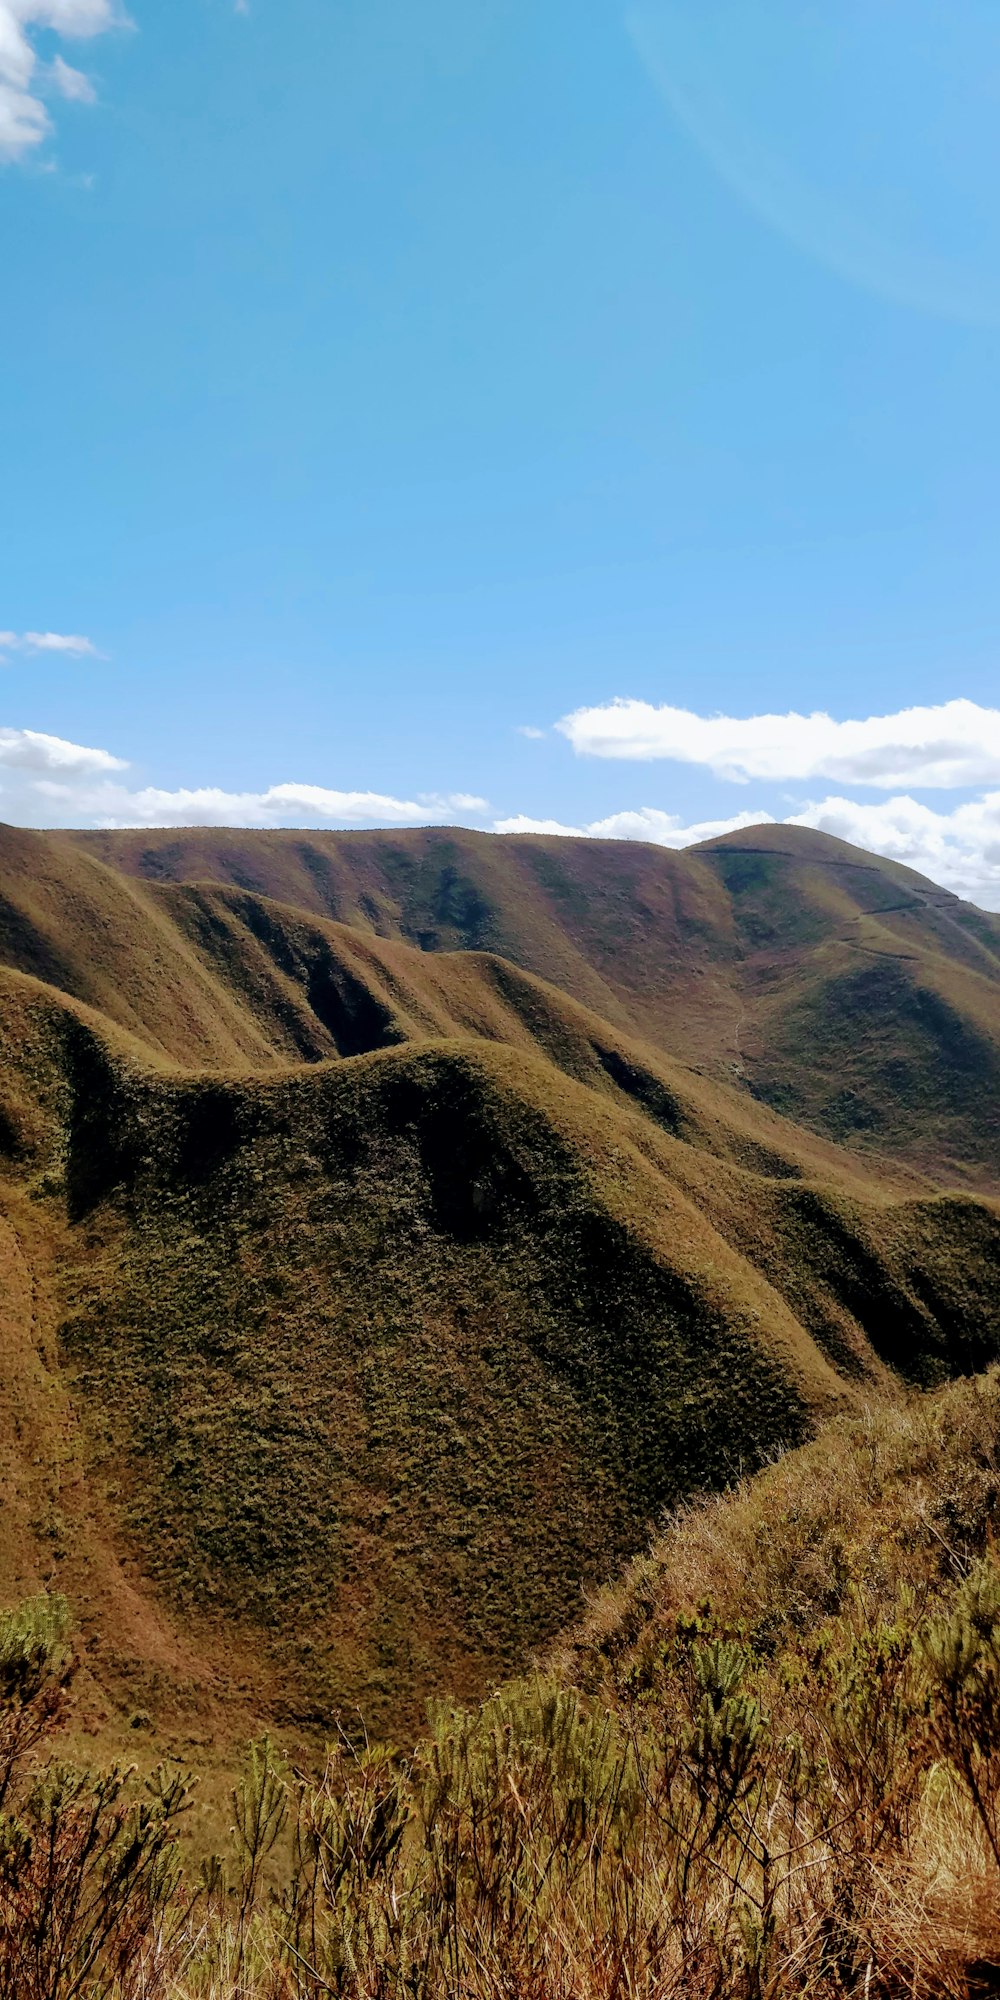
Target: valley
x,y
397,1227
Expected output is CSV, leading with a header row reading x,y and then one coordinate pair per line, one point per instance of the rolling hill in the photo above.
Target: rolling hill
x,y
843,989
395,1225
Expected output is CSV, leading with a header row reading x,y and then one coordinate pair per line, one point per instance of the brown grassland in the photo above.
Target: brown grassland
x,y
394,1228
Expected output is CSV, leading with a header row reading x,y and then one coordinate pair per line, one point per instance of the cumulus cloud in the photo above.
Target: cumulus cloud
x,y
668,830
31,750
645,823
71,83
24,120
72,643
953,745
960,849
528,729
58,642
523,823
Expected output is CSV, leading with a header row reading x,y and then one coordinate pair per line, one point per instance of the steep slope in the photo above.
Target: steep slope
x,y
845,990
90,933
881,1513
620,927
871,998
373,1365
377,1365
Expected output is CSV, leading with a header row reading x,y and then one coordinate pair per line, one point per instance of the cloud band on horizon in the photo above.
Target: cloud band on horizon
x,y
46,781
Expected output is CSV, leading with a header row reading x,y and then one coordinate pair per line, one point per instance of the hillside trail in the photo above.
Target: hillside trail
x,y
53,1531
36,1452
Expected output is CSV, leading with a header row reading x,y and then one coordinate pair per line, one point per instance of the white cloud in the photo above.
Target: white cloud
x,y
667,830
955,744
71,83
646,823
54,642
523,823
81,18
454,802
527,729
24,120
46,781
960,849
280,805
72,643
30,750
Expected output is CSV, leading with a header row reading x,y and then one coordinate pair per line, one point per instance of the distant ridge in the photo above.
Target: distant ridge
x,y
845,990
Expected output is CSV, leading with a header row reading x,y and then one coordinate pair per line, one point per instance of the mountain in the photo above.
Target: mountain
x,y
844,990
395,1225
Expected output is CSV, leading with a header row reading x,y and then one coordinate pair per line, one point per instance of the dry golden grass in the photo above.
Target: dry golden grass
x,y
795,1795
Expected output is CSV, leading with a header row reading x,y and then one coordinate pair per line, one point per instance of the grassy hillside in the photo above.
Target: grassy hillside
x,y
845,990
619,927
367,1302
370,1369
894,1497
871,999
767,1763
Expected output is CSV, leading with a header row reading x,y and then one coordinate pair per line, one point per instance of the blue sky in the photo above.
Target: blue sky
x,y
380,382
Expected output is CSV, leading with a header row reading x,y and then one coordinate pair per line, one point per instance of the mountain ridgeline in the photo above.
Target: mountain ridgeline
x,y
393,1226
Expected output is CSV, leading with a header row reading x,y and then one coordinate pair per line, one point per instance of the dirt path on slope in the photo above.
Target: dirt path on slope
x,y
143,1686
